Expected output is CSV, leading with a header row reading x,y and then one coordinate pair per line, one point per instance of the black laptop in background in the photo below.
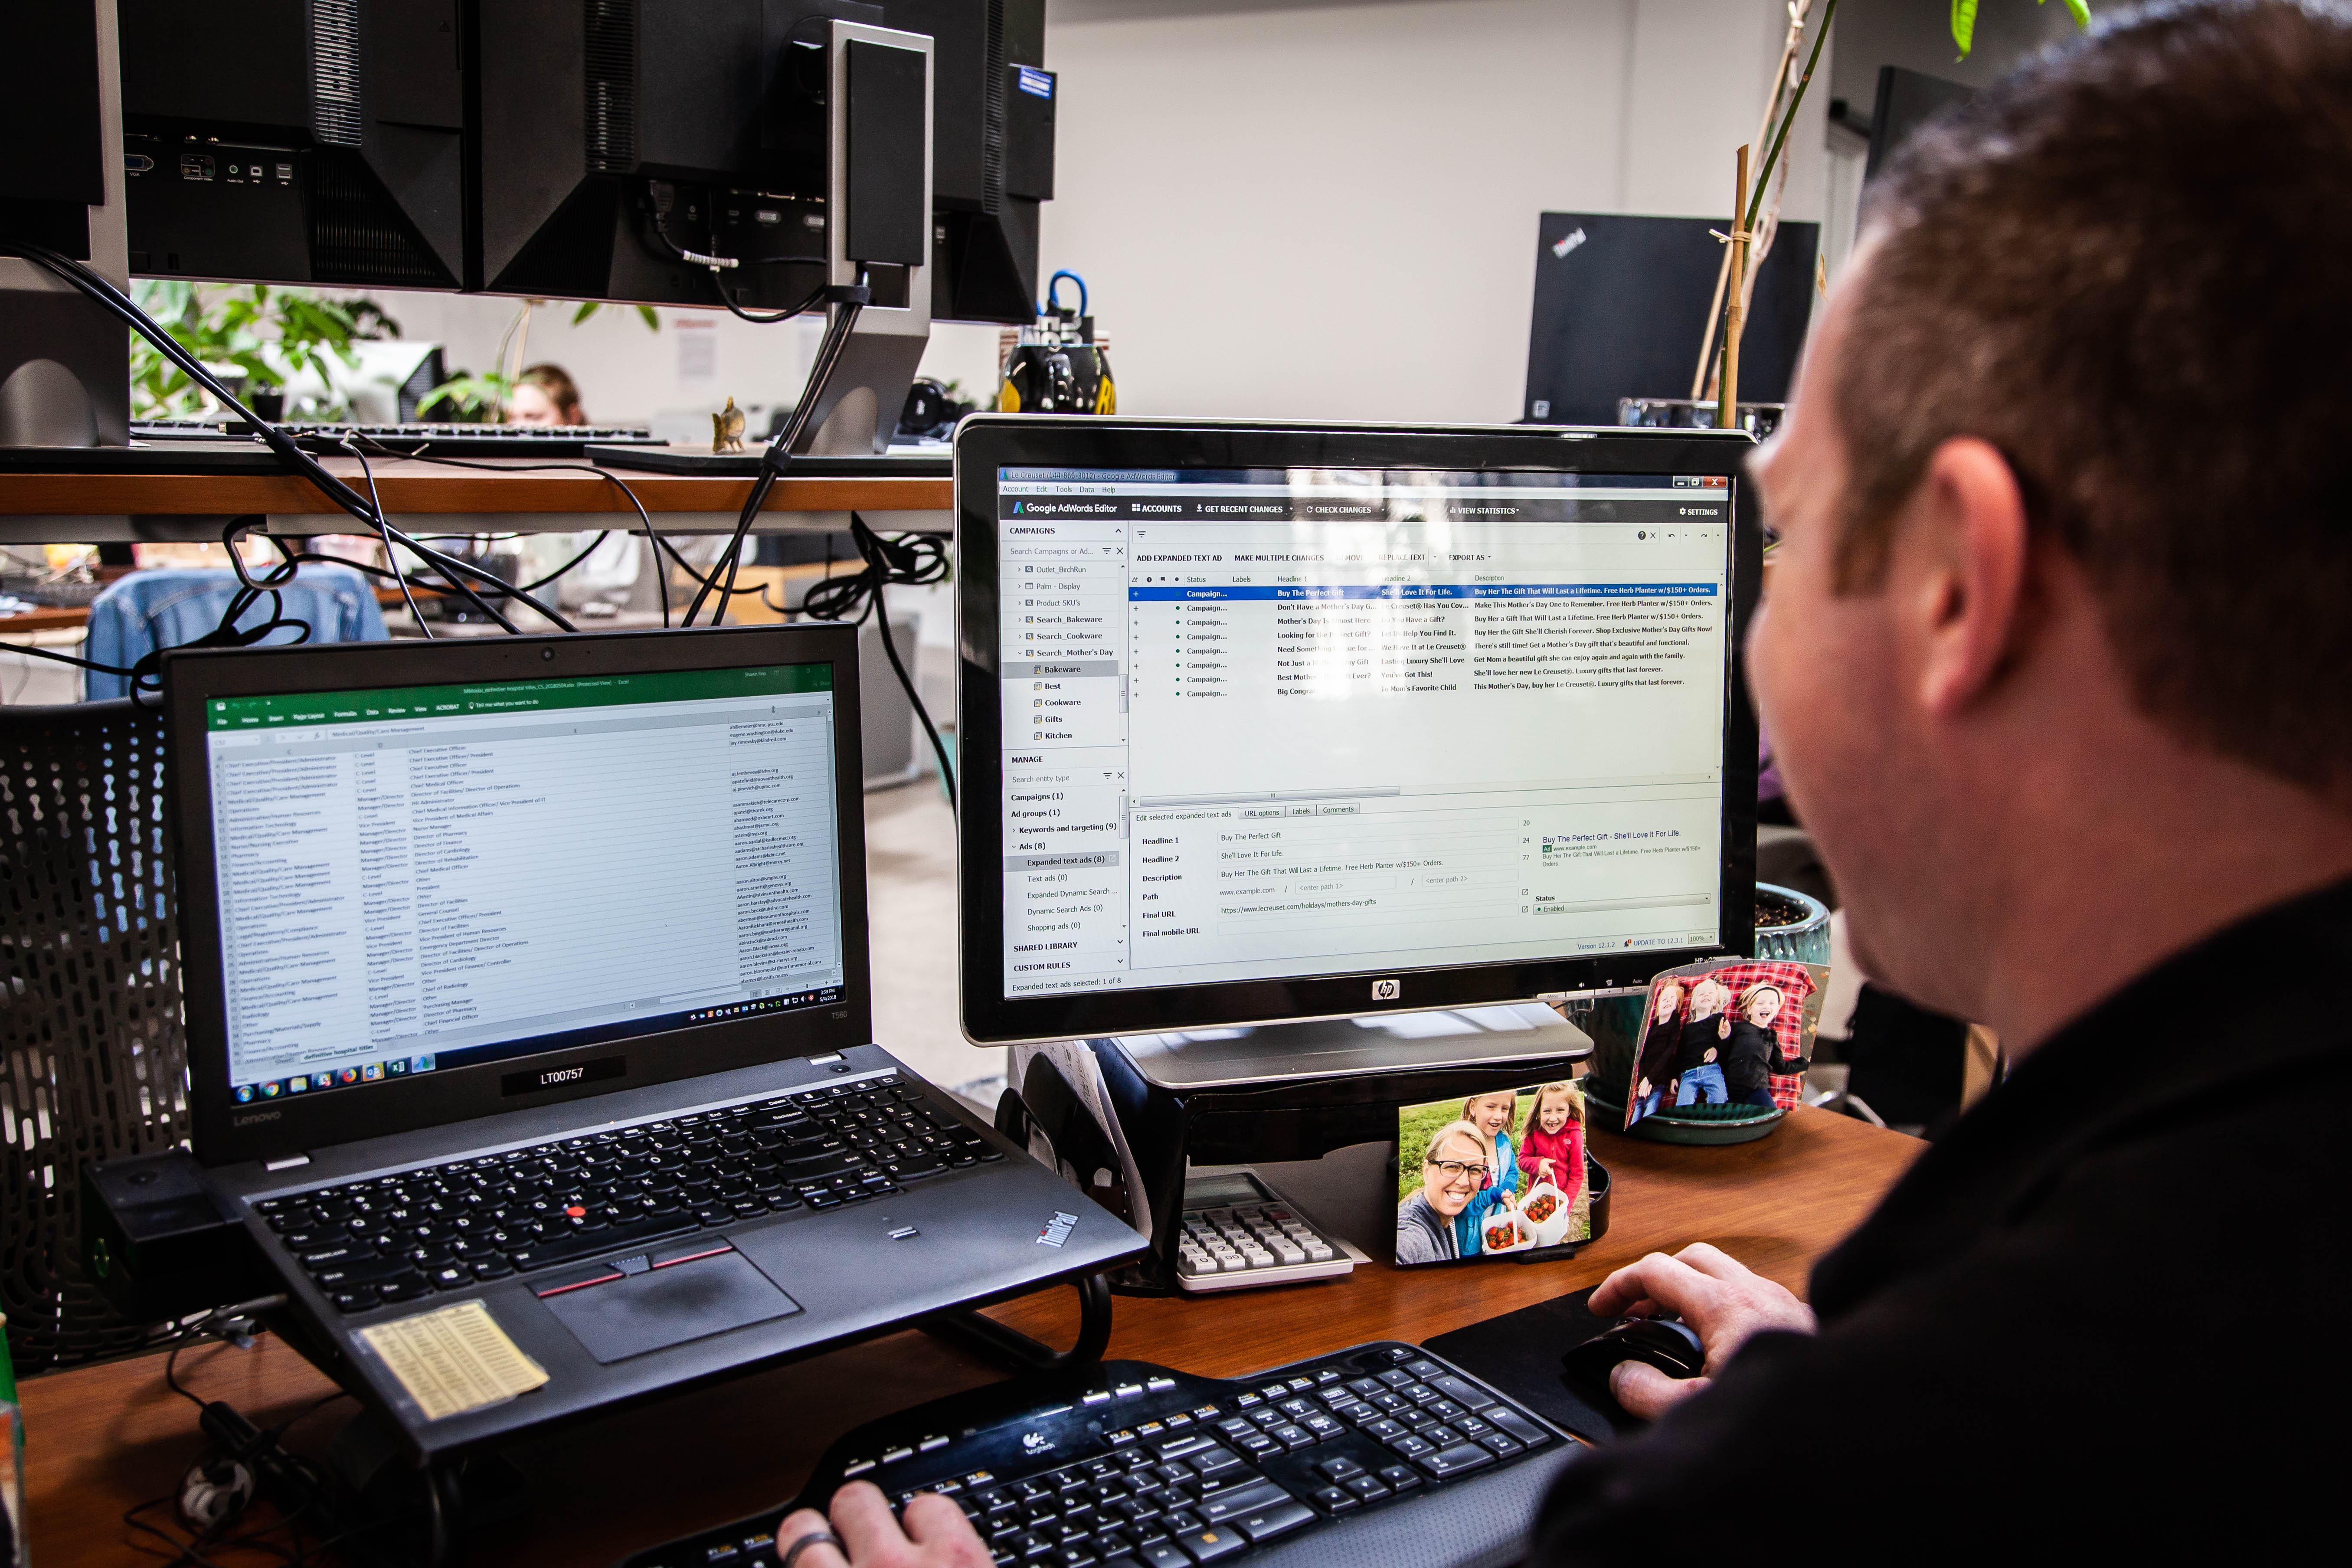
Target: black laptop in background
x,y
533,972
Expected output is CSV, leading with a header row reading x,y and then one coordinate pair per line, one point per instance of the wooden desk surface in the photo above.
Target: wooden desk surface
x,y
102,1438
409,488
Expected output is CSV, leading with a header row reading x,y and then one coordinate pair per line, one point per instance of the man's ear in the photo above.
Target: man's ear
x,y
1969,547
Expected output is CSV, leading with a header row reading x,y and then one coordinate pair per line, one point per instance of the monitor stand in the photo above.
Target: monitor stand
x,y
1380,1044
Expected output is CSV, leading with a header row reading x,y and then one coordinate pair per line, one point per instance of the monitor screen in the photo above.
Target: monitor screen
x,y
1273,723
416,878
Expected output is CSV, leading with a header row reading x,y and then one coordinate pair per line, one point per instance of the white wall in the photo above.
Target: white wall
x,y
1293,208
1311,209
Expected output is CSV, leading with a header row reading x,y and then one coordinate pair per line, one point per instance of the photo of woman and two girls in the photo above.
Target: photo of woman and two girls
x,y
1502,1171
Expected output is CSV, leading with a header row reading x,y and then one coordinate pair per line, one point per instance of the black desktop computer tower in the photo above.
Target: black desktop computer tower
x,y
614,135
296,140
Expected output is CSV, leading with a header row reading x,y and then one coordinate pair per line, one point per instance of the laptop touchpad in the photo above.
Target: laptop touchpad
x,y
652,1301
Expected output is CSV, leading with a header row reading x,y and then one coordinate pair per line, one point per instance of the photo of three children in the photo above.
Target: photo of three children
x,y
1737,1032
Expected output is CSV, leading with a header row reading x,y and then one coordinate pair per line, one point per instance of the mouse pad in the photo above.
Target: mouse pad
x,y
628,1315
1519,1353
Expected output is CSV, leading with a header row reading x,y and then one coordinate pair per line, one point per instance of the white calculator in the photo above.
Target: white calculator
x,y
1238,1232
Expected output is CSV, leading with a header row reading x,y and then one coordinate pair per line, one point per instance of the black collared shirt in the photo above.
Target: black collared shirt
x,y
2111,1309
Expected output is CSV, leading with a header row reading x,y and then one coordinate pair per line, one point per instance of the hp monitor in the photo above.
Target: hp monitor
x,y
1263,723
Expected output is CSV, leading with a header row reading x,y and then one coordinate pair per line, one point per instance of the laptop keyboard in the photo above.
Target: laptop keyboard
x,y
1132,1466
452,1225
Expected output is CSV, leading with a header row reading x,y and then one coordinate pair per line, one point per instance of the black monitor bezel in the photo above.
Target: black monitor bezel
x,y
984,444
227,1132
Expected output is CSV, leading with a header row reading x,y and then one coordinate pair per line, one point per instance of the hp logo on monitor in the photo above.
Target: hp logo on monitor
x,y
1386,990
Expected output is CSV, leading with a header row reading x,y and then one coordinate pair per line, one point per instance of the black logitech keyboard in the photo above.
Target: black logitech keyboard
x,y
447,1226
1126,1465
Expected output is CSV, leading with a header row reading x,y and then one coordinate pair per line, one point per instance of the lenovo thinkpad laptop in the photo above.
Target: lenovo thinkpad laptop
x,y
532,972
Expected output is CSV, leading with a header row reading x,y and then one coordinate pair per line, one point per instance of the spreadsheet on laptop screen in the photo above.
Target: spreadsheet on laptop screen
x,y
415,878
1291,722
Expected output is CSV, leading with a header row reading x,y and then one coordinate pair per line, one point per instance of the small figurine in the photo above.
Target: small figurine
x,y
726,429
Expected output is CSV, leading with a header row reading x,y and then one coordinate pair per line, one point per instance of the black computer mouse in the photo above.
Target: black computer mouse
x,y
1667,1343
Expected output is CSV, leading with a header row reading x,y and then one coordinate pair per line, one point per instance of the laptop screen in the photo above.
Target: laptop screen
x,y
416,878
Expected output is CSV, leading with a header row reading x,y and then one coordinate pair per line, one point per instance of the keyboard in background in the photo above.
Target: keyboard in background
x,y
49,594
1126,1465
436,440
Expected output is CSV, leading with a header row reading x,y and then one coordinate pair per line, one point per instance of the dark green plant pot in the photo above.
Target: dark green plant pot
x,y
1681,1127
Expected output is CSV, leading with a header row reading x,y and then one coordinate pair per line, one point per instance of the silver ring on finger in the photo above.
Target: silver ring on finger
x,y
813,1538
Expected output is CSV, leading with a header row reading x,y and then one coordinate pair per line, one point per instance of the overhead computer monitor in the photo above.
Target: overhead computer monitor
x,y
274,141
615,137
534,147
1265,724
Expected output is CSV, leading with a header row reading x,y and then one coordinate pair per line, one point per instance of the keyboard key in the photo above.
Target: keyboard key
x,y
1518,1426
1278,1518
1257,1494
1499,1445
1455,1460
1404,1477
1334,1500
1366,1487
1212,1545
1468,1392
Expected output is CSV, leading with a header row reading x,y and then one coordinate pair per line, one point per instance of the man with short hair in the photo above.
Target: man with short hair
x,y
2062,598
2064,577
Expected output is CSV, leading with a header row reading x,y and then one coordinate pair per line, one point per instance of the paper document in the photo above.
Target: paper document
x,y
454,1360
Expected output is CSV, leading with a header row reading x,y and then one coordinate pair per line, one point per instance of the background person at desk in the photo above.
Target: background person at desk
x,y
2053,671
545,395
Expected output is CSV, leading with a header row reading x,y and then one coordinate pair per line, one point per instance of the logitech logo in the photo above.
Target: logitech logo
x,y
256,1117
1036,1442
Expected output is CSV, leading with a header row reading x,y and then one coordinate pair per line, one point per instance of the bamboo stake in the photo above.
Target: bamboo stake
x,y
1799,11
1726,402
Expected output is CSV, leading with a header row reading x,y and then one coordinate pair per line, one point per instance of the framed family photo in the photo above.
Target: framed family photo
x,y
1492,1174
1728,1032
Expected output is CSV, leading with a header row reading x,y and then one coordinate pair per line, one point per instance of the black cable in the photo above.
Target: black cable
x,y
767,318
170,1375
438,560
778,455
911,560
661,579
391,557
286,450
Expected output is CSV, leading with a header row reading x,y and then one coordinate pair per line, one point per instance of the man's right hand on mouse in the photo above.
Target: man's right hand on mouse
x,y
1721,1298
